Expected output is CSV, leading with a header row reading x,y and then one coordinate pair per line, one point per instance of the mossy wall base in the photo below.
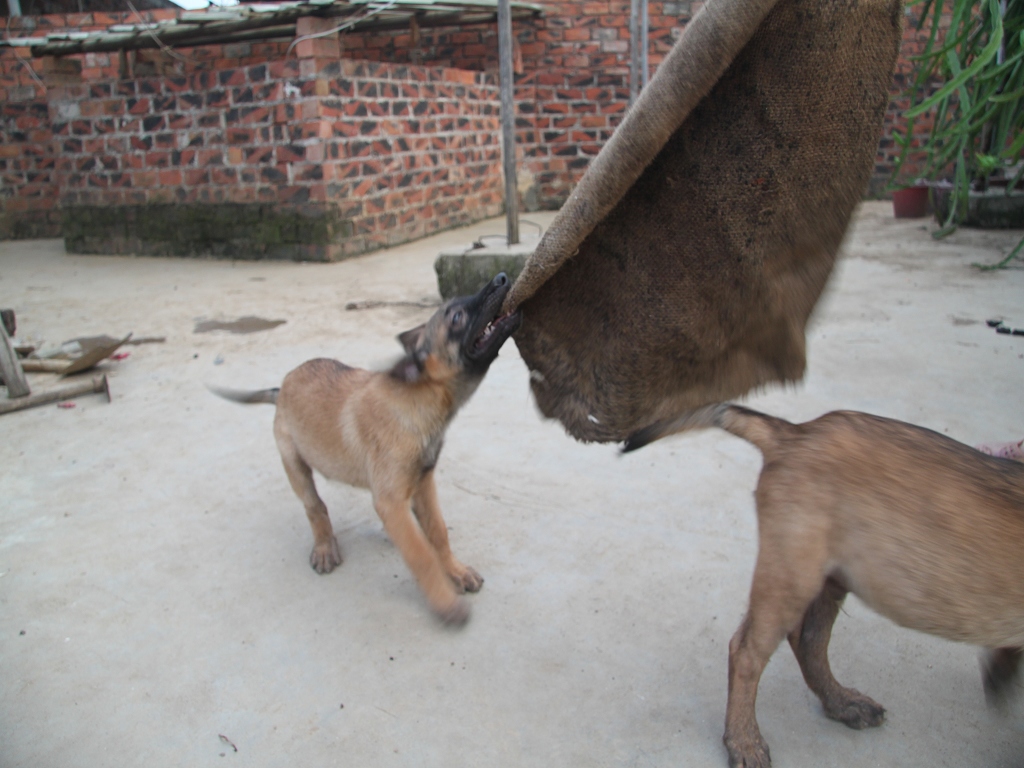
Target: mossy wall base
x,y
310,232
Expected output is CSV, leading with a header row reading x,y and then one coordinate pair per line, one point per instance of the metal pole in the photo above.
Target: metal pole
x,y
644,44
634,50
508,120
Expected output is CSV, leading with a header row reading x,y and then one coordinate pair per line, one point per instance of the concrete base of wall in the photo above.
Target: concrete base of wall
x,y
28,225
993,209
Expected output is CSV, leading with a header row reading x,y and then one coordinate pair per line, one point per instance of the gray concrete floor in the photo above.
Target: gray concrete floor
x,y
154,586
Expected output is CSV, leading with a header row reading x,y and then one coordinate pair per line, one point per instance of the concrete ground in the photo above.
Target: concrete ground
x,y
157,607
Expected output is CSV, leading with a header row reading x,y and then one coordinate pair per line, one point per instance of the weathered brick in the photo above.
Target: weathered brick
x,y
307,118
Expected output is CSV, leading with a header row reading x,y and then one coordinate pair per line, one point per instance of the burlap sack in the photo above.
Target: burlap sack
x,y
683,268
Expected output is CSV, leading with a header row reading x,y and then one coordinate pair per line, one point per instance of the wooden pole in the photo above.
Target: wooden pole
x,y
638,38
10,368
508,120
97,384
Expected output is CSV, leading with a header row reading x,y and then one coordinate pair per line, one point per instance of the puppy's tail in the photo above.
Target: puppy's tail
x,y
758,428
243,396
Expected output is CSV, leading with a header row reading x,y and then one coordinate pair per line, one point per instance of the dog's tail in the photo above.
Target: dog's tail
x,y
758,428
243,396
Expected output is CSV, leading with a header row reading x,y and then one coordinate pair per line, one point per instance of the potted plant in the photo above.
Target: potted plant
x,y
970,81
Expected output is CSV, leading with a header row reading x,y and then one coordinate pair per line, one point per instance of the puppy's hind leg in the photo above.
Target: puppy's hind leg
x,y
809,642
428,512
788,575
777,600
326,554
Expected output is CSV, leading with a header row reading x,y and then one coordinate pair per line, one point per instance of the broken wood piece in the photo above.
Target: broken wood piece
x,y
93,356
8,319
98,384
10,368
32,365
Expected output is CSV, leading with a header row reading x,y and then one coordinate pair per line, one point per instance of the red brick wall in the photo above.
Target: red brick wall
x,y
573,84
218,125
30,192
913,44
402,150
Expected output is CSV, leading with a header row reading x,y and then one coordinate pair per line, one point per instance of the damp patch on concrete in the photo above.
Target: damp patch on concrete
x,y
247,324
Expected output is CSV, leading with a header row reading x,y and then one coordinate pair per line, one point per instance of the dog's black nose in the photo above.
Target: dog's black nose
x,y
499,280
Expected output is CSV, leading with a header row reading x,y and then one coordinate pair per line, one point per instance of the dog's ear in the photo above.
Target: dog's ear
x,y
410,368
411,339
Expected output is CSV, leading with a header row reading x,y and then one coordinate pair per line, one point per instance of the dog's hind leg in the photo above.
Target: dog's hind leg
x,y
788,576
774,609
326,554
420,556
999,670
809,642
428,512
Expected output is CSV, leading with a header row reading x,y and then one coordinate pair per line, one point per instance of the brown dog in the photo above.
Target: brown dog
x,y
925,530
384,431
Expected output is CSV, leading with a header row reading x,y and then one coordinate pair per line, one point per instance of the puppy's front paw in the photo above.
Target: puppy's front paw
x,y
456,613
466,579
855,710
747,750
325,556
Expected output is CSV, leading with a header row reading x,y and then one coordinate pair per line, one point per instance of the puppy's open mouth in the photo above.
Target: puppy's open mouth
x,y
486,344
506,323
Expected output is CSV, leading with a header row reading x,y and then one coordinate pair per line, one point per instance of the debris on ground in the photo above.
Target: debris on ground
x,y
70,357
92,354
11,372
247,324
75,355
34,365
97,385
375,303
1001,327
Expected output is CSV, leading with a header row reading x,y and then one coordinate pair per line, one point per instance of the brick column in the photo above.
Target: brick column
x,y
327,46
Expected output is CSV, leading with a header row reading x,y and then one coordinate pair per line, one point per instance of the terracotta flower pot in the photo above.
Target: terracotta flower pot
x,y
910,202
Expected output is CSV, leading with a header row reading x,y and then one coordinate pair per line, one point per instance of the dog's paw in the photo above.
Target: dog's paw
x,y
325,557
456,613
1000,667
747,751
855,710
466,579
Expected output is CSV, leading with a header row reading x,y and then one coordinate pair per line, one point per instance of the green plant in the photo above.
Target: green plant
x,y
970,79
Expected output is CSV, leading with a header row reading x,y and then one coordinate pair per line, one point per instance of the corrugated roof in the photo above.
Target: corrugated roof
x,y
254,21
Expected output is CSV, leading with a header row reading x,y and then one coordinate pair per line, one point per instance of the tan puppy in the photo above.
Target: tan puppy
x,y
925,530
384,431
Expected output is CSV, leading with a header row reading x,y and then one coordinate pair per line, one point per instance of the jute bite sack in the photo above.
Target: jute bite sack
x,y
683,268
